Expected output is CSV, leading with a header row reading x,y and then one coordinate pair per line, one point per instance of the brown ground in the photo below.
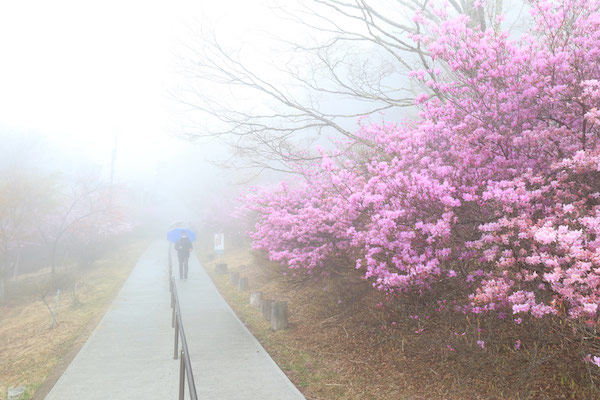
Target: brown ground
x,y
30,351
342,345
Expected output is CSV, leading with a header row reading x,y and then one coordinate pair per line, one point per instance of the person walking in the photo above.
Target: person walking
x,y
183,247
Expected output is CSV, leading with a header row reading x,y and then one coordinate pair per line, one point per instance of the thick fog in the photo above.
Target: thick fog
x,y
88,89
178,106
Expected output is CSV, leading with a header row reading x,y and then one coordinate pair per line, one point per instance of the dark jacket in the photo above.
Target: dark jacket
x,y
183,247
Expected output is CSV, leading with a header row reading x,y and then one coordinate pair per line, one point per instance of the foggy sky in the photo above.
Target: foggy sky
x,y
79,73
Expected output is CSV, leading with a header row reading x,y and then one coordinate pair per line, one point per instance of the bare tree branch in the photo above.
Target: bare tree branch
x,y
354,62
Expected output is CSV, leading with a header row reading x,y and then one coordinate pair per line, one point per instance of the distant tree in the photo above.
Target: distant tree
x,y
43,210
88,237
76,201
24,198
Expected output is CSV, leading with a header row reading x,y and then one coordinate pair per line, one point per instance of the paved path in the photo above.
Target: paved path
x,y
130,354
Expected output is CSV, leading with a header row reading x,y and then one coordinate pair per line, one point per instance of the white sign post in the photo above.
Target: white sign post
x,y
219,244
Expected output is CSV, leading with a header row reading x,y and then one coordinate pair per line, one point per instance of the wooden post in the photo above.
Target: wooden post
x,y
243,284
221,269
255,299
266,306
75,294
279,315
234,278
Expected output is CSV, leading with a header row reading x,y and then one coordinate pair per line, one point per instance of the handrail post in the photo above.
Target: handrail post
x,y
170,262
171,286
176,339
173,319
182,377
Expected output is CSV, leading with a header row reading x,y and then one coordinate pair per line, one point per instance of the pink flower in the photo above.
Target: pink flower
x,y
545,235
590,308
421,98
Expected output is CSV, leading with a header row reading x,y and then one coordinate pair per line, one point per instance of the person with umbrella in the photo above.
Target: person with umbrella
x,y
183,247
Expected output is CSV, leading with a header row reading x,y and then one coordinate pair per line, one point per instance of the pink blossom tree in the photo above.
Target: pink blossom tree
x,y
493,188
85,213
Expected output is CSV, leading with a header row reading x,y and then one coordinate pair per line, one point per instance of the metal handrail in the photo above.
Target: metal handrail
x,y
185,366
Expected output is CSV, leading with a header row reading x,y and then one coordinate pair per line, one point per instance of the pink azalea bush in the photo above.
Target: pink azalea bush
x,y
305,227
493,189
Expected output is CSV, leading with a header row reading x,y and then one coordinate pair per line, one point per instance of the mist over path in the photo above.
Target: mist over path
x,y
130,353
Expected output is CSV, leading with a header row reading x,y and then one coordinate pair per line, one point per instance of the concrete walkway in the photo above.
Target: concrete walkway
x,y
130,354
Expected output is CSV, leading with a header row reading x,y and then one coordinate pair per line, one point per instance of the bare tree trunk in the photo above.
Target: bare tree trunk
x,y
53,258
16,265
2,290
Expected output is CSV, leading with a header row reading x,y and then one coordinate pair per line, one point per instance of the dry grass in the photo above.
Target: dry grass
x,y
341,345
326,352
29,348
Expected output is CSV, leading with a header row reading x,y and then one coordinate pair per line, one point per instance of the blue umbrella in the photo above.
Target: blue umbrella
x,y
175,234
